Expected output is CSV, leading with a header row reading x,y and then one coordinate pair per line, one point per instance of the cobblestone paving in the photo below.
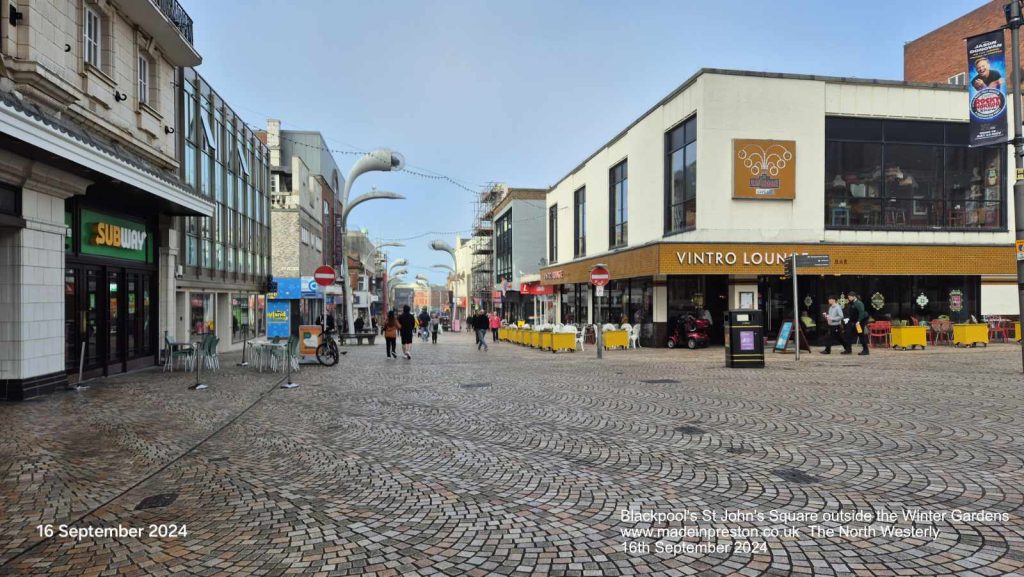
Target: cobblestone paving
x,y
519,462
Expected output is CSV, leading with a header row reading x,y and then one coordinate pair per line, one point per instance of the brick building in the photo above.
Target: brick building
x,y
939,55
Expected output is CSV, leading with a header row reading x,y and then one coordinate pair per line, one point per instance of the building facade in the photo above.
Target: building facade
x,y
735,170
89,187
224,261
939,55
518,218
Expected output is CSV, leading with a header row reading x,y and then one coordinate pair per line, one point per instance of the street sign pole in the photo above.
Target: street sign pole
x,y
796,311
599,277
1013,20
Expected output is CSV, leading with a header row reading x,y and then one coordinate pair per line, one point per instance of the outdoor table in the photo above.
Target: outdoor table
x,y
616,338
267,353
970,334
177,345
908,337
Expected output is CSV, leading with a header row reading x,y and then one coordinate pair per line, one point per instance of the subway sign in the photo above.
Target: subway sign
x,y
110,236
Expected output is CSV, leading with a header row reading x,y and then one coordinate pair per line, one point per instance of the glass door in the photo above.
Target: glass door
x,y
72,324
91,317
115,330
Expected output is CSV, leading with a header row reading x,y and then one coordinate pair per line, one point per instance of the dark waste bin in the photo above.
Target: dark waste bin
x,y
744,339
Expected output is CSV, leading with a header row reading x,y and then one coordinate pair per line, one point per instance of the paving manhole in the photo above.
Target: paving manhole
x,y
689,430
660,381
154,501
474,385
795,476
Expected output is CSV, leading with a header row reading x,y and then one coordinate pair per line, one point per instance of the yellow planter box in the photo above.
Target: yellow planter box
x,y
1016,331
563,342
613,339
909,337
970,334
535,339
513,336
545,341
501,334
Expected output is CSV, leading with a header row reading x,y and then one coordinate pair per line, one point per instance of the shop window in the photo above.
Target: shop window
x,y
681,177
201,314
910,175
618,205
241,318
9,200
579,219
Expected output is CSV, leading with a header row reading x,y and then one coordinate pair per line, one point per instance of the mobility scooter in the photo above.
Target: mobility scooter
x,y
692,331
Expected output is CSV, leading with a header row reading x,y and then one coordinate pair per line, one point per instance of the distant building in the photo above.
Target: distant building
x,y
940,56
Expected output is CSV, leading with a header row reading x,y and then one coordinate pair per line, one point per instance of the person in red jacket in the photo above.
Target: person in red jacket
x,y
495,323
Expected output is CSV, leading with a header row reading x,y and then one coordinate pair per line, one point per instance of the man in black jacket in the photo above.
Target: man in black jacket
x,y
480,325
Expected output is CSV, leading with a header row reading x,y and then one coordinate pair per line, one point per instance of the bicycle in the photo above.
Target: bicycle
x,y
327,353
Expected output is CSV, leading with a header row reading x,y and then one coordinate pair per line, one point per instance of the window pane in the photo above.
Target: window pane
x,y
913,178
678,177
913,131
691,171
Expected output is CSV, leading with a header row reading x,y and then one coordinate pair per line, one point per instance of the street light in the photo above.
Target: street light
x,y
383,160
394,280
398,262
373,254
440,245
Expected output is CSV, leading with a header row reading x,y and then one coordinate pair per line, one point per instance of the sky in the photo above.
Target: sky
x,y
514,91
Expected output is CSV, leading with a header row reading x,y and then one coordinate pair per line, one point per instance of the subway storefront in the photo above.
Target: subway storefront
x,y
110,291
657,284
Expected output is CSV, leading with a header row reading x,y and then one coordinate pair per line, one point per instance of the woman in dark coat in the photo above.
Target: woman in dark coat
x,y
407,324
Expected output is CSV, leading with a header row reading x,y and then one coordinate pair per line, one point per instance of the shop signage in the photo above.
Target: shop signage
x,y
730,258
878,301
309,287
986,89
278,318
287,288
552,275
764,169
956,300
105,235
536,289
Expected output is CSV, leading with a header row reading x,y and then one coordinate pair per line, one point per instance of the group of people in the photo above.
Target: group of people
x,y
846,327
405,325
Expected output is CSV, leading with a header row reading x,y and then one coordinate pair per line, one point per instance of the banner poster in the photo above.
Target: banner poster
x,y
279,322
986,89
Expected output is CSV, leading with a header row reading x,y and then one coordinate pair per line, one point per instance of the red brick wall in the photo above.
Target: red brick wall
x,y
940,54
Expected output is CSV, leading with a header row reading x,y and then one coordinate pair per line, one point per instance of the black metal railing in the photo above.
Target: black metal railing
x,y
177,15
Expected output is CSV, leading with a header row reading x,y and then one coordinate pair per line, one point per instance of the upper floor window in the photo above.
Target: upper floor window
x,y
618,203
681,177
958,79
93,37
553,234
144,82
579,219
896,174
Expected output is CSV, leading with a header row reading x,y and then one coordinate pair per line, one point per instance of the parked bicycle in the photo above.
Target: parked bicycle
x,y
327,353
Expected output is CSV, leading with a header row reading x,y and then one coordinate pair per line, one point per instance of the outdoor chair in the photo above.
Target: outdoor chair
x,y
634,337
880,331
177,353
939,332
999,328
210,356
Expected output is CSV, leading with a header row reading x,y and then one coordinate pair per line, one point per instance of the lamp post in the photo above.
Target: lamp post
x,y
381,159
395,278
455,279
442,246
1014,21
373,253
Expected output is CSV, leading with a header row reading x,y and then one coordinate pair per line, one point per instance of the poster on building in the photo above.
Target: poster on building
x,y
764,169
279,320
986,89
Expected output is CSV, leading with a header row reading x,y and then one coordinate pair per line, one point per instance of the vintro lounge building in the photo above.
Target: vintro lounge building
x,y
696,204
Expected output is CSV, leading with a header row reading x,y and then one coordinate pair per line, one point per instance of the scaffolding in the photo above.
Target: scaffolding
x,y
483,281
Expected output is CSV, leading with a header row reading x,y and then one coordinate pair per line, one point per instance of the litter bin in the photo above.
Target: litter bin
x,y
744,339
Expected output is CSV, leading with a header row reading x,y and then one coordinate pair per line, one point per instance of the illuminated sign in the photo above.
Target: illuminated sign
x,y
105,234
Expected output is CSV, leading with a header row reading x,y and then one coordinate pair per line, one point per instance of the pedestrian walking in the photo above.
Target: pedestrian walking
x,y
390,335
495,325
373,324
480,326
424,320
435,325
406,326
834,318
858,316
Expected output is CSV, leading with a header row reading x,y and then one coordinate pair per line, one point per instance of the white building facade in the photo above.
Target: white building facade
x,y
695,204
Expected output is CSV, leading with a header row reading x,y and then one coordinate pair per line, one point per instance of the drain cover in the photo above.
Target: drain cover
x,y
795,476
155,501
474,385
660,381
690,430
737,450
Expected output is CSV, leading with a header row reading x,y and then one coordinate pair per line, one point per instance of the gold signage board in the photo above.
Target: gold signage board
x,y
764,169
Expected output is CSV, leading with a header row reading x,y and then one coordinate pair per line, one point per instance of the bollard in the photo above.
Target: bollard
x,y
198,386
288,362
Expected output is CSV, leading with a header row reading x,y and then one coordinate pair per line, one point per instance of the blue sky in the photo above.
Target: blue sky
x,y
518,91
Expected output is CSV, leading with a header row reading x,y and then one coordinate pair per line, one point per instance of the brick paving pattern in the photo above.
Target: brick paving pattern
x,y
519,462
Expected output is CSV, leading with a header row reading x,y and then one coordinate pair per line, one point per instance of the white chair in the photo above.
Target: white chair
x,y
579,337
634,337
607,327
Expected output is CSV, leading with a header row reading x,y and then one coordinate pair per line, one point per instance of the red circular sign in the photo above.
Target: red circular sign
x,y
324,275
599,276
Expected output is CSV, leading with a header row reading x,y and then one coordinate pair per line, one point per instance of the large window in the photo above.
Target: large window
x,y
579,219
144,83
886,174
618,201
503,247
681,177
553,234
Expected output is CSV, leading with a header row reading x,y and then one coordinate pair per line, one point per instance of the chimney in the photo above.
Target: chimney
x,y
274,141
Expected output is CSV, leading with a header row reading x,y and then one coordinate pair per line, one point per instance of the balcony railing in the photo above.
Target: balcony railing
x,y
177,15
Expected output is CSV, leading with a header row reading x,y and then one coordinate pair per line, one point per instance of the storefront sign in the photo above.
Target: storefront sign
x,y
730,258
551,275
536,289
287,288
309,286
279,320
764,169
105,235
956,300
877,301
1020,246
986,89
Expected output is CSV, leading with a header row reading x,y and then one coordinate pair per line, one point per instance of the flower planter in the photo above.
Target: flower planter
x,y
970,334
908,337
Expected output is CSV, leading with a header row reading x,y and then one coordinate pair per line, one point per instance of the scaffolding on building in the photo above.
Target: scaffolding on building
x,y
483,281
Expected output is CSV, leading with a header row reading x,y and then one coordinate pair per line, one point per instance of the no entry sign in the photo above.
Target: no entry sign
x,y
599,276
324,275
